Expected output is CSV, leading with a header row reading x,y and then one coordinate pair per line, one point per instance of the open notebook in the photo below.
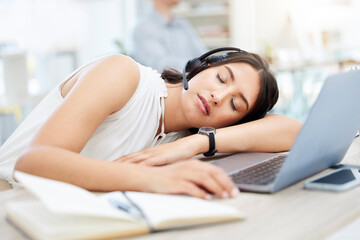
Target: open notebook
x,y
65,211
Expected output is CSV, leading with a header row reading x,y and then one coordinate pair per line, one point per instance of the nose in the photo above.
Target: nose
x,y
217,97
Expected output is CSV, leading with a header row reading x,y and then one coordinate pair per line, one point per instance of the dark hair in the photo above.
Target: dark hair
x,y
269,91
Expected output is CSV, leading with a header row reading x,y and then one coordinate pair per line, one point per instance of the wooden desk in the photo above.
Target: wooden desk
x,y
293,213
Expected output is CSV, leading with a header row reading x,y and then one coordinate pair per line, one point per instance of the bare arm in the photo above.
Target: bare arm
x,y
97,91
89,97
274,133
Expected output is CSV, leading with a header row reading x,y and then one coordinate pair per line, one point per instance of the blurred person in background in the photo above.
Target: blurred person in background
x,y
163,40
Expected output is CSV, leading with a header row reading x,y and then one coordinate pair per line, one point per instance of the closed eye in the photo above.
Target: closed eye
x,y
232,104
219,78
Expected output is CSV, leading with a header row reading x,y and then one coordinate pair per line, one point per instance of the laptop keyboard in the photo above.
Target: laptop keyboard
x,y
261,174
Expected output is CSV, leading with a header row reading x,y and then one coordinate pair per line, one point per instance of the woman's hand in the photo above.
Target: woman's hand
x,y
181,149
192,177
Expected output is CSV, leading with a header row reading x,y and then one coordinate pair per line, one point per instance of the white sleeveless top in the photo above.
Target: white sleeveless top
x,y
131,129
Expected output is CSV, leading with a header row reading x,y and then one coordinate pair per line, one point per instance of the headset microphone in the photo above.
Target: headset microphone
x,y
197,62
185,83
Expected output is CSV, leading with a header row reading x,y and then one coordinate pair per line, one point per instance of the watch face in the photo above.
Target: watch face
x,y
207,129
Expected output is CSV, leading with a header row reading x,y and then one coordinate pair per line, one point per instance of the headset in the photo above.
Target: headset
x,y
201,61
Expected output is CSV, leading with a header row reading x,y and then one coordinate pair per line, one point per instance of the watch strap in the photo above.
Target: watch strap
x,y
212,149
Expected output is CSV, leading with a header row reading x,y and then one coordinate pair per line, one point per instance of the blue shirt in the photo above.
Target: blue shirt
x,y
159,44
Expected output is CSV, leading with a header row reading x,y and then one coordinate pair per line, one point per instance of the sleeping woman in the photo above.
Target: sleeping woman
x,y
114,124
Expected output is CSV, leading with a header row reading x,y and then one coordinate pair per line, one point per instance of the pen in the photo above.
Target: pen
x,y
139,211
125,207
131,208
119,204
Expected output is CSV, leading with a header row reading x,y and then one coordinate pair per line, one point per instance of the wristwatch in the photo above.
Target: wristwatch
x,y
210,132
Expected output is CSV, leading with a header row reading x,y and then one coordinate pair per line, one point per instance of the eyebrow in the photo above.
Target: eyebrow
x,y
241,95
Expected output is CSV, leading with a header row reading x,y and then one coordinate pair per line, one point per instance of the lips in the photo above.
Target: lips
x,y
203,105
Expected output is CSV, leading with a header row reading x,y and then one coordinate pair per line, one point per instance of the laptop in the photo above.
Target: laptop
x,y
325,137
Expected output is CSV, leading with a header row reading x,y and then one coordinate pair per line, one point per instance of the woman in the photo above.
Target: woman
x,y
114,107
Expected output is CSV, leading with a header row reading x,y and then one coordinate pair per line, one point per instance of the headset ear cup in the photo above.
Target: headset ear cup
x,y
192,64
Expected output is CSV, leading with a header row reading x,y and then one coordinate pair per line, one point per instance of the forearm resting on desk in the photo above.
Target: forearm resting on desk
x,y
274,133
92,174
193,177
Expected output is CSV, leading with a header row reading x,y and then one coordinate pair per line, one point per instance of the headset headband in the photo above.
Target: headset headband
x,y
197,62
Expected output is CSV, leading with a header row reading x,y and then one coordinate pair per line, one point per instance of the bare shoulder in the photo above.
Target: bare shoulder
x,y
120,76
121,64
113,79
93,93
114,69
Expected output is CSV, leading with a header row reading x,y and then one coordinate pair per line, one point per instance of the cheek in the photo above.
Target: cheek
x,y
187,99
188,106
203,80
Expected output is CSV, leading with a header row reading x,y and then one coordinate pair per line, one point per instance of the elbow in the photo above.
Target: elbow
x,y
292,132
26,163
297,125
22,163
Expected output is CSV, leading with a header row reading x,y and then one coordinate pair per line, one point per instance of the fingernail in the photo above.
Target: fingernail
x,y
208,197
225,195
235,192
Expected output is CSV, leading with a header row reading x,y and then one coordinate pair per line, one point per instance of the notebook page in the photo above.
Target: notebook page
x,y
63,198
162,208
38,222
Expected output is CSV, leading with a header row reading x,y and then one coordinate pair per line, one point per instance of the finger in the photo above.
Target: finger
x,y
152,162
160,161
207,181
133,158
201,174
194,190
219,175
125,157
224,180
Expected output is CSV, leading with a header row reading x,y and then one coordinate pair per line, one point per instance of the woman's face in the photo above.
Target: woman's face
x,y
221,96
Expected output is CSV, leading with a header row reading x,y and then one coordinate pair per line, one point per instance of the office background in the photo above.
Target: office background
x,y
41,41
